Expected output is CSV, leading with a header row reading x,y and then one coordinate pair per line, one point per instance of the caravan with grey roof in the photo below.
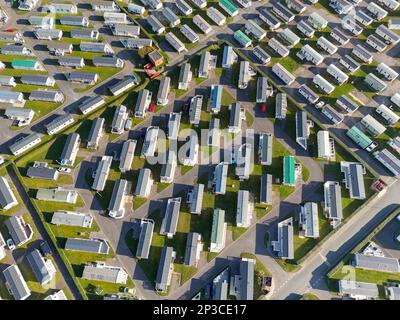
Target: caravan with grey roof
x,y
42,268
266,16
70,150
189,34
46,95
7,197
150,142
74,21
74,62
73,219
144,183
116,207
165,269
289,37
145,237
111,62
278,47
101,173
16,283
84,34
122,86
284,245
91,104
38,80
171,216
185,76
100,272
388,114
59,123
125,30
58,194
21,116
98,246
375,83
142,103
119,119
353,179
127,155
308,220
337,74
376,43
244,209
48,34
332,204
193,249
202,24
163,91
82,77
155,24
25,143
20,231
95,47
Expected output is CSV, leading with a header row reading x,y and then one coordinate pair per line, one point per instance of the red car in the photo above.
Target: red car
x,y
10,30
152,107
264,108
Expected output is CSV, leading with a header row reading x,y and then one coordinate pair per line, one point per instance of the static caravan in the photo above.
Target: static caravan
x,y
376,43
396,99
200,3
327,45
266,16
175,42
189,34
261,55
216,16
228,7
337,74
282,12
283,74
241,37
332,114
245,3
388,35
202,24
135,9
309,54
305,29
339,36
308,94
373,126
361,53
115,17
253,28
278,47
155,24
363,18
349,23
388,114
341,6
349,63
375,83
376,11
289,36
390,4
394,24
152,4
387,72
316,21
48,34
244,74
136,43
296,6
183,7
323,84
171,17
345,103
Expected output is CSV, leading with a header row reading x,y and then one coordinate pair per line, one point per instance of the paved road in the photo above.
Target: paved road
x,y
43,234
314,269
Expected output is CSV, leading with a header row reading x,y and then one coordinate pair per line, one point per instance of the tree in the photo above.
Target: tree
x,y
143,52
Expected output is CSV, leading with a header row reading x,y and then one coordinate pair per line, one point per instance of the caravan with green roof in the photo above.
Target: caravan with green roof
x,y
218,231
289,171
26,64
242,38
361,139
228,7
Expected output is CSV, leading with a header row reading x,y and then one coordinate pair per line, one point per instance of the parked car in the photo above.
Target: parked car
x,y
152,107
264,108
64,170
10,244
185,107
128,124
320,104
